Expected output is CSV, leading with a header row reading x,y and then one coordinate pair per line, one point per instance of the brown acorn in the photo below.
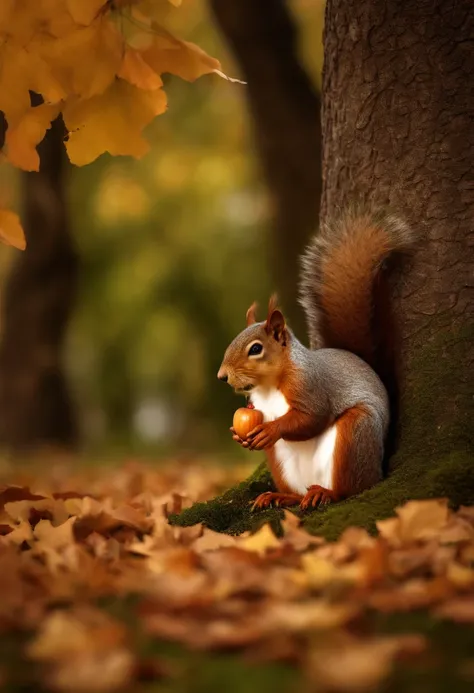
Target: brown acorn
x,y
245,420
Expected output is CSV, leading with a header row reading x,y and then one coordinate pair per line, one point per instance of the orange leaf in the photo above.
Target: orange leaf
x,y
22,138
11,230
182,58
84,11
111,122
136,71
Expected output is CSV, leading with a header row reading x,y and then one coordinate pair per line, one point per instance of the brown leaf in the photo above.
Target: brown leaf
x,y
21,533
413,594
457,530
210,541
311,615
460,610
34,510
84,630
11,493
356,665
422,519
295,535
95,516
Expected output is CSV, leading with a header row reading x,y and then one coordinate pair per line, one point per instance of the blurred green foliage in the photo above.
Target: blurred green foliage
x,y
173,250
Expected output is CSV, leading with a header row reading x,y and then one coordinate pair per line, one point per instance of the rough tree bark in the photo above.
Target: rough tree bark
x,y
284,106
35,407
398,129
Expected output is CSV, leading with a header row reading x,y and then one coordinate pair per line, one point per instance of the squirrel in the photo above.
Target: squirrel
x,y
326,410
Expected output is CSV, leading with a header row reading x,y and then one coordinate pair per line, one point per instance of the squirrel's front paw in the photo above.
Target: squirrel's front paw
x,y
317,496
269,498
238,439
263,436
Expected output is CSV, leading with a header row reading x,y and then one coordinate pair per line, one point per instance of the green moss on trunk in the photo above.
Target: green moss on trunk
x,y
437,407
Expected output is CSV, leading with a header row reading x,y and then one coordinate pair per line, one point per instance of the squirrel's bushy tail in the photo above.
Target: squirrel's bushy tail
x,y
341,280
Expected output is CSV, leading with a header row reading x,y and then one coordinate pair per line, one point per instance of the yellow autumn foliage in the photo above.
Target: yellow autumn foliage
x,y
99,63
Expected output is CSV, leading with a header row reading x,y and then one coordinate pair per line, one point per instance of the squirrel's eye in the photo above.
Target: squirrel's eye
x,y
255,349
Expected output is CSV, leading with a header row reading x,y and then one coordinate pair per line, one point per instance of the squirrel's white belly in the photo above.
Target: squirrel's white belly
x,y
303,463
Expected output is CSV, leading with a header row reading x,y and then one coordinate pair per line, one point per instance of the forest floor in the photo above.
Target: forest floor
x,y
100,593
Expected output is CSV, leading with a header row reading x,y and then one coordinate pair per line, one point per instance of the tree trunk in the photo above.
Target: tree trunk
x,y
398,130
284,106
35,406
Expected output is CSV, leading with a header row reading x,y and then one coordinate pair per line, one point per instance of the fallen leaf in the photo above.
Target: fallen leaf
x,y
358,665
457,530
422,519
310,615
12,493
51,537
460,610
21,533
320,571
67,634
460,576
259,542
295,535
44,508
95,673
210,541
415,521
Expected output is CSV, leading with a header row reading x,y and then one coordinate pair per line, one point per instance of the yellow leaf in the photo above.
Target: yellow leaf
x,y
186,60
15,80
23,19
21,533
11,231
111,122
22,138
86,60
50,537
20,72
422,519
136,71
459,575
320,571
84,11
260,541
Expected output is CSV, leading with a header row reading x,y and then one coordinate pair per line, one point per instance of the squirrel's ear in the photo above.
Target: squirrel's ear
x,y
276,326
250,316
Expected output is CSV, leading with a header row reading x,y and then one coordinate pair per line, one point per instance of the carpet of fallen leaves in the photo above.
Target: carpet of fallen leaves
x,y
72,544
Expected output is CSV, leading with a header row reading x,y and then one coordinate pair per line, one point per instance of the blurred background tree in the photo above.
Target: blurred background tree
x,y
174,247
